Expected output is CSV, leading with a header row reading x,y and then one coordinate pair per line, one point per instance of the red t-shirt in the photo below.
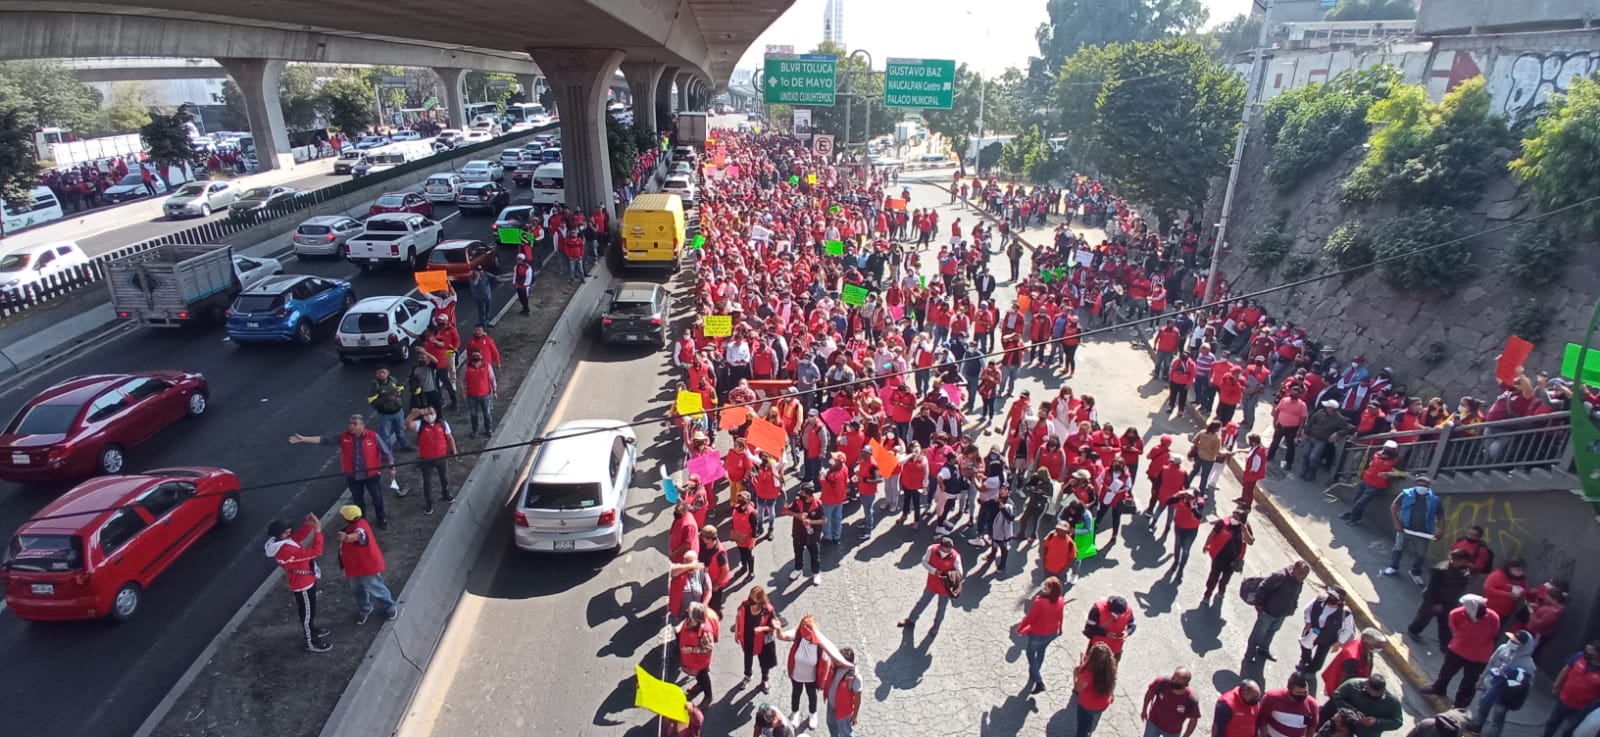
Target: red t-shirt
x,y
1170,709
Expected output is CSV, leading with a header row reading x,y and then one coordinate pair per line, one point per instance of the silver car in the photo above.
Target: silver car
x,y
324,235
577,490
199,199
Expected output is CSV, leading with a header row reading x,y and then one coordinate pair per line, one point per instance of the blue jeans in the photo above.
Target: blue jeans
x,y
575,268
869,510
392,428
1309,462
1088,719
1364,496
1560,716
841,726
362,488
1009,378
1034,649
928,595
1417,546
481,406
484,306
369,589
1163,364
1488,718
832,521
1261,634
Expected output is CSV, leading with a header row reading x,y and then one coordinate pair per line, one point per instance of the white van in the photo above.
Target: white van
x,y
40,266
549,185
45,208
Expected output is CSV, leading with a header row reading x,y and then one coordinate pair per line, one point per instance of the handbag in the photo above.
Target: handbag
x,y
1127,506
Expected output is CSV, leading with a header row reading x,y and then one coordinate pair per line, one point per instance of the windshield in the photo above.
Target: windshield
x,y
391,200
192,189
314,230
387,226
45,419
259,193
561,496
372,140
547,183
45,553
130,180
364,322
448,256
253,303
630,309
15,262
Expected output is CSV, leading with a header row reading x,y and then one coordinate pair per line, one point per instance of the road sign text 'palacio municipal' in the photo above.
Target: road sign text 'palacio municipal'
x,y
806,79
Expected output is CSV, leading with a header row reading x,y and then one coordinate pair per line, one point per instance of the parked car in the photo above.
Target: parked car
x,y
483,197
382,327
252,203
682,186
451,136
367,142
399,136
286,308
324,235
131,187
95,550
483,171
577,489
37,265
199,199
253,271
637,314
410,202
523,174
459,257
443,187
86,424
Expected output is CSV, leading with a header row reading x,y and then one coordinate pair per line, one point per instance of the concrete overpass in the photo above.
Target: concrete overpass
x,y
577,44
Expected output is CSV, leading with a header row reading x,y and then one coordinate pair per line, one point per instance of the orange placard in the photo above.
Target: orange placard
x,y
883,459
432,281
732,418
1024,302
767,437
897,204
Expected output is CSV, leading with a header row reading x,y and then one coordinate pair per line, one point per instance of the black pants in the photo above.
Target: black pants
x,y
911,503
702,685
1182,542
1283,436
435,467
1072,358
1470,672
1116,519
1311,657
1221,571
747,560
767,656
1225,412
522,297
1425,613
1178,399
794,697
306,602
807,545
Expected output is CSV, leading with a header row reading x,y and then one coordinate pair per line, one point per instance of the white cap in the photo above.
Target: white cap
x,y
1390,444
1330,404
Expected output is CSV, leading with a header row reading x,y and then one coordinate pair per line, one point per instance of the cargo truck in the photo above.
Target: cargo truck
x,y
692,129
174,285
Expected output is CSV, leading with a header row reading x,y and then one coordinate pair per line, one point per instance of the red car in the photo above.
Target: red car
x,y
85,425
402,202
65,565
459,257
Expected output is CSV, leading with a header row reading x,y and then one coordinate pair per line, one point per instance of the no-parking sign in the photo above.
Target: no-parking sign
x,y
822,145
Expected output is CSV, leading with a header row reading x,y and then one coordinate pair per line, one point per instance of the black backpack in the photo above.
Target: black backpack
x,y
1250,589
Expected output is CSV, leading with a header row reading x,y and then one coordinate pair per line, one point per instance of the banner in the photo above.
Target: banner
x,y
432,281
802,123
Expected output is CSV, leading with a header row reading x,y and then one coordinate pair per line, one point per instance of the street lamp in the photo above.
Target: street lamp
x,y
850,97
1251,95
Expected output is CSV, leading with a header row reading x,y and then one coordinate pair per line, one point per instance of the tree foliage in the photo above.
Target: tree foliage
x,y
126,111
297,93
868,88
19,171
1236,36
1348,10
1309,127
234,115
1558,159
1350,245
958,124
1165,121
392,99
166,140
1537,256
1005,103
1028,155
1074,24
479,89
46,94
1429,154
1077,93
1413,251
624,153
348,103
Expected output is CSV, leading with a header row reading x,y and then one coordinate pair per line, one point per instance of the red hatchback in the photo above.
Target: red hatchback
x,y
94,551
401,202
85,425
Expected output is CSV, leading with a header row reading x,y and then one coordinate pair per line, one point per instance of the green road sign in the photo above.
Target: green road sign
x,y
804,79
920,83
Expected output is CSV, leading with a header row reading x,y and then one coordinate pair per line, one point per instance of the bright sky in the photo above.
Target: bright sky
x,y
990,35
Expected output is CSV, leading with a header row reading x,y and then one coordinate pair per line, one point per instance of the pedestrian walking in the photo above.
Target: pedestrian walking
x,y
746,531
718,569
1505,683
811,660
835,485
363,456
1354,659
697,635
481,283
1287,417
1416,513
296,552
362,562
1577,692
522,279
808,518
1110,622
687,582
1328,623
1375,710
1188,514
1473,629
1277,597
843,694
1447,581
755,628
1001,529
384,396
1227,543
945,571
435,444
1170,708
1058,551
1205,450
1095,683
1289,711
1237,711
1037,493
1041,626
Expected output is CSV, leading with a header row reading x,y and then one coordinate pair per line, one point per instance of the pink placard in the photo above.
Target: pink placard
x,y
835,417
898,312
954,393
708,466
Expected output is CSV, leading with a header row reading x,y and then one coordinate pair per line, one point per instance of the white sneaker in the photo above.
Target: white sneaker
x,y
1418,580
794,575
816,579
1390,571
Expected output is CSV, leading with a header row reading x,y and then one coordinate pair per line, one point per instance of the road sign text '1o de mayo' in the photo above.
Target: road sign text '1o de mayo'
x,y
805,79
919,83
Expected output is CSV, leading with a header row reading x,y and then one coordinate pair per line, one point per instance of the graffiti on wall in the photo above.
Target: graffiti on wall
x,y
1509,534
1518,80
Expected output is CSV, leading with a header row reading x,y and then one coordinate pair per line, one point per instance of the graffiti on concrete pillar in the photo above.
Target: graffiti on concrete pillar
x,y
1525,80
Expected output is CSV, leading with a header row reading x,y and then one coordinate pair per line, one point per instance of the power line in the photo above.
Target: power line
x,y
535,442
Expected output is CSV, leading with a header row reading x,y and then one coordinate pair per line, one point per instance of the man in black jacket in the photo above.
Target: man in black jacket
x,y
1447,581
1278,597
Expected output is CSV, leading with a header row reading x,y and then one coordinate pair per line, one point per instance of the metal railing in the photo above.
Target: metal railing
x,y
1535,442
31,296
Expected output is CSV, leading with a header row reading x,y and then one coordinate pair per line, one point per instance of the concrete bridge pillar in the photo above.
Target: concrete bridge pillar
x,y
579,79
455,104
663,97
683,90
258,82
643,77
530,86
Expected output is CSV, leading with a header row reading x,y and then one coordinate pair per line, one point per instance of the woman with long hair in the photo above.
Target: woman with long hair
x,y
1095,682
1041,626
755,628
806,657
697,635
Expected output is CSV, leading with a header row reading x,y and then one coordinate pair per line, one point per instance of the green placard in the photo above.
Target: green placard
x,y
929,84
922,281
698,242
834,248
794,179
853,295
805,79
835,209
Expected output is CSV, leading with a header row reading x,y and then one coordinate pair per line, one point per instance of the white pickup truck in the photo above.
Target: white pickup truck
x,y
394,238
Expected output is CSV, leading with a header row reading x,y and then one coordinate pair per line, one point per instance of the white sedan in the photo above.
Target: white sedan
x,y
483,171
253,271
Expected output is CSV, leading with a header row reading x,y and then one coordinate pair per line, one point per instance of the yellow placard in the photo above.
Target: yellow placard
x,y
719,326
811,179
690,403
660,697
432,281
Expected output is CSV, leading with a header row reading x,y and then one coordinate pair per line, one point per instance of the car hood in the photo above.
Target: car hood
x,y
182,201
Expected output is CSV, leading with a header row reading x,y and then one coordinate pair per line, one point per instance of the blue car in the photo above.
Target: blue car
x,y
284,308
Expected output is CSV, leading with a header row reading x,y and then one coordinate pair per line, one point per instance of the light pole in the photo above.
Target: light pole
x,y
850,97
983,87
1257,67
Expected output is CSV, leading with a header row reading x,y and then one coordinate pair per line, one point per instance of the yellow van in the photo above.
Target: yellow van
x,y
653,231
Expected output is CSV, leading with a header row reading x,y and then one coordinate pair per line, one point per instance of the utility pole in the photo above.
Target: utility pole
x,y
1257,67
849,98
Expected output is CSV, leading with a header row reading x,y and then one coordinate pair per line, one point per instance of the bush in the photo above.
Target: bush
x,y
1309,127
1558,159
1298,266
1412,255
1529,319
1536,256
1269,245
1350,245
1428,154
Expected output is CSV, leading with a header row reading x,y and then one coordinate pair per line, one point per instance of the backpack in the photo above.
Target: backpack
x,y
1250,589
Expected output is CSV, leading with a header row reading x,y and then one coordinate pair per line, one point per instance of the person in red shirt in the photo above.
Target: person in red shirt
x,y
835,490
685,534
1473,629
1170,708
484,344
943,565
296,552
1375,480
1110,622
362,561
1188,512
696,636
1041,626
1255,469
1170,483
1180,377
1166,344
1577,689
1289,711
1237,711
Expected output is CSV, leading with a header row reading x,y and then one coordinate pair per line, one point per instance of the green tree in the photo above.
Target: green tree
x,y
1005,105
1372,10
1238,35
46,94
1429,154
349,104
960,122
126,111
1311,126
1077,94
479,89
19,170
234,115
1165,123
1074,24
166,141
624,153
393,99
297,93
868,90
1558,160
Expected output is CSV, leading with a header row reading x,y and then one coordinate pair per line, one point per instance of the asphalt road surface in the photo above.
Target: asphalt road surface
x,y
550,643
93,679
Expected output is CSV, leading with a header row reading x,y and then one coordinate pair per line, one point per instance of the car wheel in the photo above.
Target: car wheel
x,y
228,511
402,353
111,459
302,332
197,404
349,300
205,211
125,603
